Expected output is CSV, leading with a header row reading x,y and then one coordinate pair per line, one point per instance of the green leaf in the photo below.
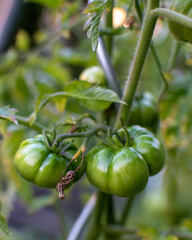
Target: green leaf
x,y
3,225
95,10
41,101
92,97
9,114
95,6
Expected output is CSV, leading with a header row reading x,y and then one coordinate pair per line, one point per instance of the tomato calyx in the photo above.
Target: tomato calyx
x,y
121,138
59,147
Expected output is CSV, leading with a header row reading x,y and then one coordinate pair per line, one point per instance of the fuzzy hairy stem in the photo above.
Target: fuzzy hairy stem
x,y
142,48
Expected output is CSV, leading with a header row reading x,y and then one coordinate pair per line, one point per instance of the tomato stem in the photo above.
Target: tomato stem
x,y
158,64
142,48
82,219
95,226
109,23
126,210
119,229
89,133
138,9
26,122
80,150
128,138
152,48
110,216
174,53
172,15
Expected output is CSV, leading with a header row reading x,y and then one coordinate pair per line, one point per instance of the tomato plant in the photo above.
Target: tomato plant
x,y
67,109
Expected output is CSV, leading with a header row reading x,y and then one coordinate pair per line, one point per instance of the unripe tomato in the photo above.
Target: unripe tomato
x,y
144,111
94,75
181,32
36,163
124,170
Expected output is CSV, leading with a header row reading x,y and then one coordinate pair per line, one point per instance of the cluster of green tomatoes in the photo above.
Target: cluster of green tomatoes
x,y
121,167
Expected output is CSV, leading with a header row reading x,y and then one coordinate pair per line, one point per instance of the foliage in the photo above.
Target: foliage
x,y
8,113
92,97
95,10
41,91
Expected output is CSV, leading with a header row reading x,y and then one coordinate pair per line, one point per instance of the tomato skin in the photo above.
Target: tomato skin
x,y
124,171
94,75
179,31
144,111
35,162
152,151
120,172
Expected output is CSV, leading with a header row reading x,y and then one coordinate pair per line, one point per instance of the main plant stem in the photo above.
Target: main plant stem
x,y
138,62
95,226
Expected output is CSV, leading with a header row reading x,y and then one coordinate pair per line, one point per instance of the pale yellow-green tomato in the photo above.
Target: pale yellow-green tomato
x,y
94,75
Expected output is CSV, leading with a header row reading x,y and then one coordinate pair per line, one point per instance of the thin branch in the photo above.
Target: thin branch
x,y
36,126
138,9
112,31
158,64
76,135
82,219
118,229
95,225
172,15
174,53
109,23
62,221
126,210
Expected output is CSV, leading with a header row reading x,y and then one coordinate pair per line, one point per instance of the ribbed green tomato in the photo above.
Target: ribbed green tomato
x,y
124,170
36,163
144,111
181,32
94,75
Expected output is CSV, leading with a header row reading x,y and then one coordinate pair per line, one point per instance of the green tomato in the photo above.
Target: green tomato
x,y
144,111
94,75
124,170
36,163
179,31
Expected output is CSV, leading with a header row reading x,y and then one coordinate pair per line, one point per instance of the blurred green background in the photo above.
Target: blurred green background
x,y
45,61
